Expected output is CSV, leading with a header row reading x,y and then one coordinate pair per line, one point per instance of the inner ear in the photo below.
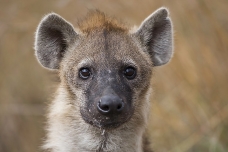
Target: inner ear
x,y
160,44
57,40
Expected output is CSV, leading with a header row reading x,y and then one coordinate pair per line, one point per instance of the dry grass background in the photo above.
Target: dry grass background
x,y
190,102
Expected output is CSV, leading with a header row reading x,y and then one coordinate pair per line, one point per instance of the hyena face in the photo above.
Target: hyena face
x,y
105,66
109,72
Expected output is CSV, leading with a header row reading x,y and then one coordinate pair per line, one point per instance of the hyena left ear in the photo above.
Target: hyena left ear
x,y
53,36
155,32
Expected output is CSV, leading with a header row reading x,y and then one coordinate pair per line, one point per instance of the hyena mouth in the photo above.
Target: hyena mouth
x,y
104,125
105,122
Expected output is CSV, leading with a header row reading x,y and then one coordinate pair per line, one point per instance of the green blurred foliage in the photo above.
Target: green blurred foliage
x,y
189,106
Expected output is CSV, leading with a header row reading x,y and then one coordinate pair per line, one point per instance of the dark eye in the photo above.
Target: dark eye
x,y
129,73
84,73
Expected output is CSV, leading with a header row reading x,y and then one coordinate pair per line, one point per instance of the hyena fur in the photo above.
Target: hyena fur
x,y
103,100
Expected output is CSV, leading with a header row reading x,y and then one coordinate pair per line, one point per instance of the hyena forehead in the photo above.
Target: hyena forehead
x,y
107,48
105,36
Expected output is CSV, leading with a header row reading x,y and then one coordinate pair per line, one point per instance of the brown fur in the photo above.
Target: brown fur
x,y
97,19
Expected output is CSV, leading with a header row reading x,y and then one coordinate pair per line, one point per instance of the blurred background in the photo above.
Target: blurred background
x,y
190,103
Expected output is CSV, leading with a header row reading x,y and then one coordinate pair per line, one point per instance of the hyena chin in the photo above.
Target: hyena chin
x,y
103,99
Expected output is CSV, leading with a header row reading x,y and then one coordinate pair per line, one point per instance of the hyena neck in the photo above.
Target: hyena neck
x,y
67,131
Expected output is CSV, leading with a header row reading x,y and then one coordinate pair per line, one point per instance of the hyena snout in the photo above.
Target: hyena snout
x,y
110,105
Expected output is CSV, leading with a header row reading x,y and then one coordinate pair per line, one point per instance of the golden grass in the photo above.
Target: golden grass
x,y
190,102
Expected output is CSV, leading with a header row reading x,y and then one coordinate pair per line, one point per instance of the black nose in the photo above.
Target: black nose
x,y
110,105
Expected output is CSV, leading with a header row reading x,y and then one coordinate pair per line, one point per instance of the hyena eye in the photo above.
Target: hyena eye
x,y
129,73
84,73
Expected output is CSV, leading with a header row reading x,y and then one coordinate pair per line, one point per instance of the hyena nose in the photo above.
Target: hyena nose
x,y
110,105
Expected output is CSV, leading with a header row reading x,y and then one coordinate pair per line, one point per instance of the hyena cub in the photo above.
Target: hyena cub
x,y
103,99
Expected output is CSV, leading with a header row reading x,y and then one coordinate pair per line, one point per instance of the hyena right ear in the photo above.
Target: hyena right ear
x,y
53,36
156,34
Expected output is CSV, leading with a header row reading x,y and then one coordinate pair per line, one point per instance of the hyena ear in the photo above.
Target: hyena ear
x,y
155,33
53,36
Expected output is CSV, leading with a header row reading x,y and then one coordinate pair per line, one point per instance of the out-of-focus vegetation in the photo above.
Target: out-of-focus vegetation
x,y
190,103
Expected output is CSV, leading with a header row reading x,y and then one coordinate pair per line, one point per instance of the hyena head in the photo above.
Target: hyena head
x,y
105,66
